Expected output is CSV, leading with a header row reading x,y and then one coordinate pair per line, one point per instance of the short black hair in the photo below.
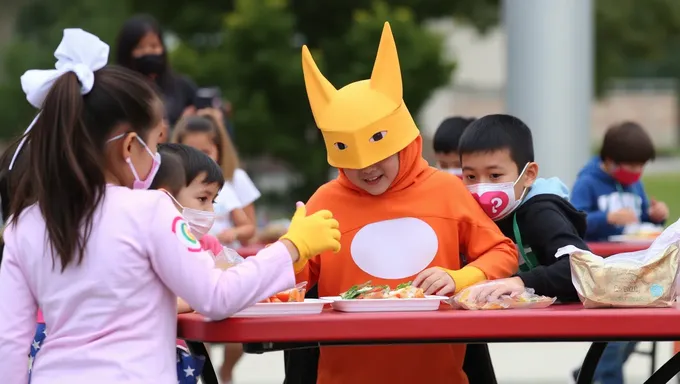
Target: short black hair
x,y
194,163
171,175
448,133
497,132
627,142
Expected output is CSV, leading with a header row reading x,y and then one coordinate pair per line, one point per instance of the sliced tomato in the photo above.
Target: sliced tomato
x,y
283,296
274,300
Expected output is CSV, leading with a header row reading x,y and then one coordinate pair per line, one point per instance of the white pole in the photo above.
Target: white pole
x,y
550,79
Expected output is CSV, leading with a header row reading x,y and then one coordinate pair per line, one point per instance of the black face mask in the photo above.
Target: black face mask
x,y
150,64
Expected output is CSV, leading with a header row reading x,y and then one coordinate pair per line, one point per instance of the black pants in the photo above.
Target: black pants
x,y
301,365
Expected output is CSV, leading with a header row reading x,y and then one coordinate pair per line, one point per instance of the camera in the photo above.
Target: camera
x,y
208,98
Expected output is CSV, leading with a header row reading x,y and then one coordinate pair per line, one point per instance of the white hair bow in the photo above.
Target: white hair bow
x,y
79,52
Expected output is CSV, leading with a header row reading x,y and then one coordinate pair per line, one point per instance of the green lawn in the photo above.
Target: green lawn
x,y
666,188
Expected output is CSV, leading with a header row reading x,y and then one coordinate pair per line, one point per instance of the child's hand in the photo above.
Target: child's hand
x,y
622,217
491,291
658,211
182,306
313,234
227,236
435,281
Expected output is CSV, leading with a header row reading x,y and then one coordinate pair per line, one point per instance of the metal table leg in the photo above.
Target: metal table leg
x,y
208,375
666,372
585,375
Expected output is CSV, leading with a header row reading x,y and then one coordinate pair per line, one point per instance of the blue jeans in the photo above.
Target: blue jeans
x,y
610,368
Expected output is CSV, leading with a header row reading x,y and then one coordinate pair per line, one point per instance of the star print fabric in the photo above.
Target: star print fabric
x,y
40,334
189,367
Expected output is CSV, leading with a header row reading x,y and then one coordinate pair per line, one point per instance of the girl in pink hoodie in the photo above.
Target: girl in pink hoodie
x,y
101,256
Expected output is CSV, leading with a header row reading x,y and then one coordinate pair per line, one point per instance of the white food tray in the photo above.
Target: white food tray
x,y
429,303
307,307
630,239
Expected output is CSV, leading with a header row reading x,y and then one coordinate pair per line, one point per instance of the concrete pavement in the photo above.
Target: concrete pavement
x,y
522,363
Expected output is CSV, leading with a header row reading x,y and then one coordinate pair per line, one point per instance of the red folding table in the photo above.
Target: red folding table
x,y
558,323
608,249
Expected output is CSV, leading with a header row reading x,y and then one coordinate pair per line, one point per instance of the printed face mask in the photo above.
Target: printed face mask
x,y
626,177
199,221
497,200
156,163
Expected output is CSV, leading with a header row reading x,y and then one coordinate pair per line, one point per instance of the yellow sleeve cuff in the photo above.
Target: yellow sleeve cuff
x,y
466,276
299,265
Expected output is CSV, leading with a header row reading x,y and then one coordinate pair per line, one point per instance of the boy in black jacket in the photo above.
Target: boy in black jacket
x,y
497,158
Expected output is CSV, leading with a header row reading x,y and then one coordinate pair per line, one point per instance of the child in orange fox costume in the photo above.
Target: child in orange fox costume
x,y
398,217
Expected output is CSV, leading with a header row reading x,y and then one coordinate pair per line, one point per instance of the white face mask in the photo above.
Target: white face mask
x,y
497,199
199,221
454,171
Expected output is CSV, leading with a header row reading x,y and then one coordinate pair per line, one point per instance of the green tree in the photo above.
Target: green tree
x,y
38,31
635,35
258,66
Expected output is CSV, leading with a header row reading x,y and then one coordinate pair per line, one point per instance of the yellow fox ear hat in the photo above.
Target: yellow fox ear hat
x,y
366,121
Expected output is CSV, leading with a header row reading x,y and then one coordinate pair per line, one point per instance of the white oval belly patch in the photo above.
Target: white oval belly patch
x,y
394,249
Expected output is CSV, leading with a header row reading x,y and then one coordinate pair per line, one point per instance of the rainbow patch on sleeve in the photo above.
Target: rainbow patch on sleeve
x,y
181,229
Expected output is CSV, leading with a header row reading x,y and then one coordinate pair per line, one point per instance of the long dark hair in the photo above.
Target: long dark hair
x,y
66,153
132,31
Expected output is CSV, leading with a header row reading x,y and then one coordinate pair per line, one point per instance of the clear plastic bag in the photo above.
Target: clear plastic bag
x,y
295,294
644,278
227,258
472,298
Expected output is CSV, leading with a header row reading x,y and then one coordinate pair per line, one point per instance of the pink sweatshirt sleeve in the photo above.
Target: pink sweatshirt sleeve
x,y
18,310
190,273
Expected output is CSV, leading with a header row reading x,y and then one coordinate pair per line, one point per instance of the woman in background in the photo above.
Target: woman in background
x,y
140,47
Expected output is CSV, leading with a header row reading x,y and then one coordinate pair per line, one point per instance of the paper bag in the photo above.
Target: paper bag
x,y
633,279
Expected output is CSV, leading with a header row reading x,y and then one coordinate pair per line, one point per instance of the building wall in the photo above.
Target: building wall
x,y
477,89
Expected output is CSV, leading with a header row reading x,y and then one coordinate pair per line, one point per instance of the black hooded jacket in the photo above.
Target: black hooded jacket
x,y
546,223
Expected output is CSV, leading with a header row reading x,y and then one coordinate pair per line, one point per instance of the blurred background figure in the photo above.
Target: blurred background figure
x,y
140,47
445,143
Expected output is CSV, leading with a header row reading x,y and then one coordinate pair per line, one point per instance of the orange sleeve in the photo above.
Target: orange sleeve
x,y
487,249
310,272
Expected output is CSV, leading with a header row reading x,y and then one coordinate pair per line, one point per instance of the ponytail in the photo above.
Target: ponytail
x,y
62,170
66,180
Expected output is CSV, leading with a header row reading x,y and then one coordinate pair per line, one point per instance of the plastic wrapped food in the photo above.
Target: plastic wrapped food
x,y
643,230
296,294
369,291
227,258
634,279
469,298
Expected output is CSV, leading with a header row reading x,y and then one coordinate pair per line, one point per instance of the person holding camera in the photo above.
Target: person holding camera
x,y
140,47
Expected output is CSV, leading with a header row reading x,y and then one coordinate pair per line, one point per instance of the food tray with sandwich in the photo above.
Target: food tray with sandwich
x,y
638,233
367,297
